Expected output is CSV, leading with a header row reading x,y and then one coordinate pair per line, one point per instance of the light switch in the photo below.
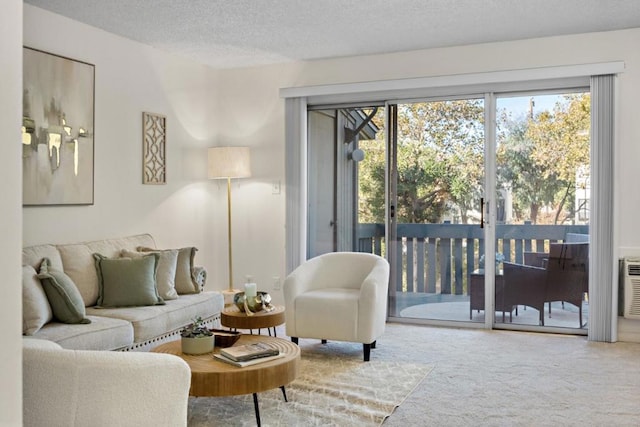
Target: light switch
x,y
275,187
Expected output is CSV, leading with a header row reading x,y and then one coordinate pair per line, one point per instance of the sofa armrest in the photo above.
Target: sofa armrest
x,y
103,388
200,276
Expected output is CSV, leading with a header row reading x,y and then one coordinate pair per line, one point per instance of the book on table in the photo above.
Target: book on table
x,y
247,362
242,353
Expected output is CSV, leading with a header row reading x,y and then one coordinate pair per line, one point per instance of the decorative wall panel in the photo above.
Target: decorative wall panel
x,y
154,139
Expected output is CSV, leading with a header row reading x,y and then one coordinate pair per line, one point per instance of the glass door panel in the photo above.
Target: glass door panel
x,y
543,191
435,182
334,155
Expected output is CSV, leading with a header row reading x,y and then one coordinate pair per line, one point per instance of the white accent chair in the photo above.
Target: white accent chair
x,y
338,296
102,388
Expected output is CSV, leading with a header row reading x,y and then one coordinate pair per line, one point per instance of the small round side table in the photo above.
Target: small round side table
x,y
233,318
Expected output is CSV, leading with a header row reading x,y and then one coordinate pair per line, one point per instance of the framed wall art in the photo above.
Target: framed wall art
x,y
154,140
57,130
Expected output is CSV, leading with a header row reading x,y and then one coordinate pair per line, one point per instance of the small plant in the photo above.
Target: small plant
x,y
197,329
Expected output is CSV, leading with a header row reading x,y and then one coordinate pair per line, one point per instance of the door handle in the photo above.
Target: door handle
x,y
481,212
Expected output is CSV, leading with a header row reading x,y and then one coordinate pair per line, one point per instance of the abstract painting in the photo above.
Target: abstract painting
x,y
57,130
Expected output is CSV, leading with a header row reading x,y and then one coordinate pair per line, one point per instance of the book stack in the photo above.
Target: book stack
x,y
249,354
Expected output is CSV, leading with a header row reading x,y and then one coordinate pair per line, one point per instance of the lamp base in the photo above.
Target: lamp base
x,y
229,295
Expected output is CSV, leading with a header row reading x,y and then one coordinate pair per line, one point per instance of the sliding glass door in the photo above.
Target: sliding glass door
x,y
454,192
436,177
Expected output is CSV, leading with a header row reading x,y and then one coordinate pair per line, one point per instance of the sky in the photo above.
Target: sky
x,y
520,105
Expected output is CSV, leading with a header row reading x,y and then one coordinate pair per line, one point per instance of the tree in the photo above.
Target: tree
x,y
531,184
539,156
440,162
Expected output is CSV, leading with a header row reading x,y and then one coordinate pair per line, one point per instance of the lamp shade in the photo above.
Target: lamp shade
x,y
229,162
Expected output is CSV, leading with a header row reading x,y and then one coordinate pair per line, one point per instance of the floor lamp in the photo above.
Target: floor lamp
x,y
227,163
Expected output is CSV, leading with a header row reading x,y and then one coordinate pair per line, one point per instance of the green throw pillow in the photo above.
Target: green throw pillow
x,y
63,295
127,282
165,274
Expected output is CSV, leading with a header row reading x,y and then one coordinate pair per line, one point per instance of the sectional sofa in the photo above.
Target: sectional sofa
x,y
116,311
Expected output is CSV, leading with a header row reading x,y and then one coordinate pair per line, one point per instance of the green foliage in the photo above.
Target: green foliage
x,y
538,157
196,329
440,161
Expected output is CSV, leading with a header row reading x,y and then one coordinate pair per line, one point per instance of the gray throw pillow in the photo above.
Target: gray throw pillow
x,y
185,280
127,282
63,295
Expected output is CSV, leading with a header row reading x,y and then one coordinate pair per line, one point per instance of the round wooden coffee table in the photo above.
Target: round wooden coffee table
x,y
211,377
233,318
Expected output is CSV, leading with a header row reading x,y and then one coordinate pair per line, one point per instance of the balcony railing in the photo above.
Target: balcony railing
x,y
438,258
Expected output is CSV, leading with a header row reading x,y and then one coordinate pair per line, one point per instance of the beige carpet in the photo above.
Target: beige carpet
x,y
503,378
334,388
491,378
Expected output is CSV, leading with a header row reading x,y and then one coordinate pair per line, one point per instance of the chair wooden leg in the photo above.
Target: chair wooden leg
x,y
373,344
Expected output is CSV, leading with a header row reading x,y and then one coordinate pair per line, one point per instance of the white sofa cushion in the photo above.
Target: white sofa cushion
x,y
152,321
329,312
78,262
36,311
33,256
102,333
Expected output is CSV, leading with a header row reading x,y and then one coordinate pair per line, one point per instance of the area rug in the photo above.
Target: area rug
x,y
334,388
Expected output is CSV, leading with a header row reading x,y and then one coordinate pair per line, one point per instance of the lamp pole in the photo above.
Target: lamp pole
x,y
229,233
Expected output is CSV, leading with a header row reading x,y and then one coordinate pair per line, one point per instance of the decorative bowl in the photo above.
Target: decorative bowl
x,y
225,338
262,301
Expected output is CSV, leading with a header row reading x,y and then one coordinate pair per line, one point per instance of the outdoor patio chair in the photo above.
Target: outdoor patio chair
x,y
539,259
338,296
525,285
568,274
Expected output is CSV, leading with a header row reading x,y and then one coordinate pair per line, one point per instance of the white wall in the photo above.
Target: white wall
x,y
242,107
10,212
131,78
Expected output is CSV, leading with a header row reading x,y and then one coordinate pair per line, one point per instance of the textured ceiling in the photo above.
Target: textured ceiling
x,y
239,33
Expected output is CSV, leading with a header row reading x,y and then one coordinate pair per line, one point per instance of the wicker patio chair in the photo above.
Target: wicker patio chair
x,y
525,285
568,274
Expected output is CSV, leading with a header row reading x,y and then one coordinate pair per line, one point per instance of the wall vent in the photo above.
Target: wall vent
x,y
632,288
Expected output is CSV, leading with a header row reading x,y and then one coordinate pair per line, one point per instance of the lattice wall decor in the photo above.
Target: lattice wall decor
x,y
154,140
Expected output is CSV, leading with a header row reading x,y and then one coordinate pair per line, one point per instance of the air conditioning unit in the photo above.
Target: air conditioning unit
x,y
632,288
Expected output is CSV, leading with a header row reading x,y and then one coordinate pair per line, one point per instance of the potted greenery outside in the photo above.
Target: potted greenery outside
x,y
197,338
